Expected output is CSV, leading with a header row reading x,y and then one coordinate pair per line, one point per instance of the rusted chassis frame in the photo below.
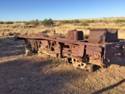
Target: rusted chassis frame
x,y
81,54
101,49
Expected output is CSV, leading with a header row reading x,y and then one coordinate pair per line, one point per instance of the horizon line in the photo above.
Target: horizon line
x,y
86,18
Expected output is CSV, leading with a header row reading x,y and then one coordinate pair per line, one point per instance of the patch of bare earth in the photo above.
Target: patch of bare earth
x,y
21,74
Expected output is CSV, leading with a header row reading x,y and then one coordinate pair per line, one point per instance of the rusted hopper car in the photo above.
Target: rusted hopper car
x,y
99,50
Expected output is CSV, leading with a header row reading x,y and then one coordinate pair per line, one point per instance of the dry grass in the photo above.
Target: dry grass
x,y
9,29
36,75
111,80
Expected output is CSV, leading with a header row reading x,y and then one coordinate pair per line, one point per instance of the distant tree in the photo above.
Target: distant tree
x,y
48,22
76,21
66,21
9,22
119,20
33,22
1,22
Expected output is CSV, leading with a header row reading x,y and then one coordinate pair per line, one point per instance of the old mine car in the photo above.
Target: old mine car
x,y
99,50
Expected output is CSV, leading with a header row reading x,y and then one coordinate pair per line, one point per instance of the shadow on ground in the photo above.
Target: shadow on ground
x,y
26,77
34,75
11,47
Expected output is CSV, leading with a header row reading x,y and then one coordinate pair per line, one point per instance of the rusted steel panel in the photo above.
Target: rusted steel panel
x,y
78,50
75,35
103,35
95,55
115,53
94,52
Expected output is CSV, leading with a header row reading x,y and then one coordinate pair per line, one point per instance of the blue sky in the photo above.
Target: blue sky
x,y
60,9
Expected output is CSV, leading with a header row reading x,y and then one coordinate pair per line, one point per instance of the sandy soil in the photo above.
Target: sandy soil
x,y
21,74
20,28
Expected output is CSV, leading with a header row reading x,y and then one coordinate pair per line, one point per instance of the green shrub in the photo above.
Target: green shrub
x,y
48,22
1,22
9,22
33,22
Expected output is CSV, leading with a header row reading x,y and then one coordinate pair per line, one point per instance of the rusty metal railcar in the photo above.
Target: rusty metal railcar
x,y
100,49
